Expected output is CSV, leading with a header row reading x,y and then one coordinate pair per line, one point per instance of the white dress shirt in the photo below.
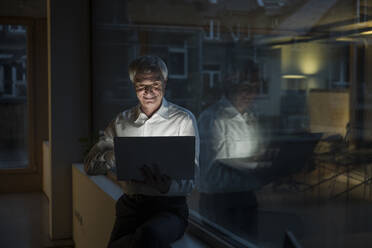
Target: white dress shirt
x,y
168,120
225,133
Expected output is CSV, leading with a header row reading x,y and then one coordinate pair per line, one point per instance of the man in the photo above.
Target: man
x,y
152,212
229,130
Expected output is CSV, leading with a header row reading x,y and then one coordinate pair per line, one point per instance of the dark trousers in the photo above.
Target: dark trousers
x,y
148,221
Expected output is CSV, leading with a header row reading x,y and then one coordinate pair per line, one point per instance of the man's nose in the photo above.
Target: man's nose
x,y
148,89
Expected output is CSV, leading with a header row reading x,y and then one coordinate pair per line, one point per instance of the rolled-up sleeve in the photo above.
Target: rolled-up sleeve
x,y
101,157
184,187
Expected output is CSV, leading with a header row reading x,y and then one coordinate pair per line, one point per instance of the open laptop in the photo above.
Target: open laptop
x,y
294,151
174,156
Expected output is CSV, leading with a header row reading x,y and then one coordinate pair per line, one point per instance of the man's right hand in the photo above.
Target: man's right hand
x,y
152,177
155,179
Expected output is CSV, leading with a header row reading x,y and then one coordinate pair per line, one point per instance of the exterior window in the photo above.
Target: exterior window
x,y
281,91
212,76
14,142
178,62
16,29
212,30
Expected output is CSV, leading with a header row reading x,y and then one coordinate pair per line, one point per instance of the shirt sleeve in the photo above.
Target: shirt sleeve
x,y
216,176
101,157
184,187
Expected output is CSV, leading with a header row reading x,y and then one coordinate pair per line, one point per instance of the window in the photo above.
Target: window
x,y
212,83
14,152
178,62
16,29
212,30
282,94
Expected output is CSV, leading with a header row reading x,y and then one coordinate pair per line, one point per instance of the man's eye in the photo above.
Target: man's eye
x,y
149,87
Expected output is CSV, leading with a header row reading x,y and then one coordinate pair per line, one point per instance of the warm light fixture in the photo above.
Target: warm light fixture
x,y
366,32
293,76
277,47
310,61
346,39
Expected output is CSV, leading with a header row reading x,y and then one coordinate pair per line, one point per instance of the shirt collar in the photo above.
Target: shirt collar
x,y
229,111
163,111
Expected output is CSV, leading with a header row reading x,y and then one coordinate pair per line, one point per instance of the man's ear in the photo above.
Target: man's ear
x,y
164,84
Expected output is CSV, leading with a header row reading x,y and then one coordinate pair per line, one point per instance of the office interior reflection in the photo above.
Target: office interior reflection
x,y
282,93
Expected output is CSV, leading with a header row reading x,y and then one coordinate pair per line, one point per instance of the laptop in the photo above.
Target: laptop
x,y
294,151
174,156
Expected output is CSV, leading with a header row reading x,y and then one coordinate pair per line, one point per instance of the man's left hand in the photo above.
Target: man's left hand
x,y
155,179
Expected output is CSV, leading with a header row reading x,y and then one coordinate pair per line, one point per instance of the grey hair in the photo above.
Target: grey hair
x,y
146,65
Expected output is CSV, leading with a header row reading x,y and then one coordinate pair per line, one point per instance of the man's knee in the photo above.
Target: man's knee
x,y
148,232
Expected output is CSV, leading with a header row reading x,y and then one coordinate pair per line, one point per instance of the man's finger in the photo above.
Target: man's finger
x,y
147,174
156,170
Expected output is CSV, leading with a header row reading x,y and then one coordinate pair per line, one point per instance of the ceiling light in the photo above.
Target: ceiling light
x,y
366,32
293,76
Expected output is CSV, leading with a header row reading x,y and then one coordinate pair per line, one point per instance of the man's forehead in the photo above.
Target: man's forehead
x,y
150,76
147,82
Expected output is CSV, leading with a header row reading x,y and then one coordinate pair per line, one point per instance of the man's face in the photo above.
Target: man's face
x,y
150,93
244,96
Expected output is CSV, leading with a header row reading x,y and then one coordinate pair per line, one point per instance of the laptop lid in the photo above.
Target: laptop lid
x,y
294,154
294,151
174,156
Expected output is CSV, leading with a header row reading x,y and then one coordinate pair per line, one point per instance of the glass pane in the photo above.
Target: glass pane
x,y
176,64
282,91
13,97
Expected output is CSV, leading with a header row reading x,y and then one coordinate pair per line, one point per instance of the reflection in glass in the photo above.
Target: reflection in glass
x,y
230,137
312,61
13,97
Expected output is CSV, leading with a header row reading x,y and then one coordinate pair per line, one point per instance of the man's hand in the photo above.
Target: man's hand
x,y
155,179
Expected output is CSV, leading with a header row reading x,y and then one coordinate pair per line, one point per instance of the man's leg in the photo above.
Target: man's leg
x,y
159,231
127,221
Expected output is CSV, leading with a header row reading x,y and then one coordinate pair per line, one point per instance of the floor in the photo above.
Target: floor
x,y
24,220
24,223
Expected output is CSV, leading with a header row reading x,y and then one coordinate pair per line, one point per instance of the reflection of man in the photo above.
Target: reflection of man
x,y
152,212
229,130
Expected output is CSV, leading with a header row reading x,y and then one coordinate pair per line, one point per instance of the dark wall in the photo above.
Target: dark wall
x,y
69,101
